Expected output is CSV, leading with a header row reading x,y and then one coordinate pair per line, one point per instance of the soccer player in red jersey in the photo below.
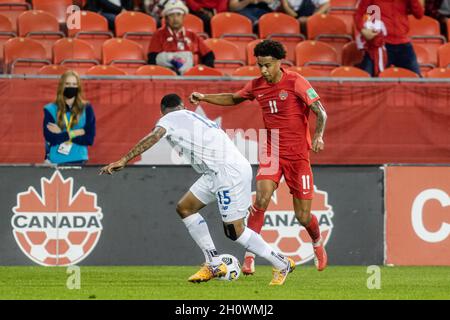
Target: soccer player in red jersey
x,y
285,98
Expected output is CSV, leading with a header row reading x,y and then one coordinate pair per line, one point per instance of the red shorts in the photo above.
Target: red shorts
x,y
298,176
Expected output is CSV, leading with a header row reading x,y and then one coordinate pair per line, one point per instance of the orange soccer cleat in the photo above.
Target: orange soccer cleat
x,y
207,272
279,276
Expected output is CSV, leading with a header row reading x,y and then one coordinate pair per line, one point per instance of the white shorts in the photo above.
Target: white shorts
x,y
231,187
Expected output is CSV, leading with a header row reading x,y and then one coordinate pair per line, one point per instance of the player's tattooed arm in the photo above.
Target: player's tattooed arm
x,y
142,146
221,99
317,143
145,144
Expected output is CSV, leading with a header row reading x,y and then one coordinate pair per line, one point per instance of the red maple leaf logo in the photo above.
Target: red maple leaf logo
x,y
56,197
37,219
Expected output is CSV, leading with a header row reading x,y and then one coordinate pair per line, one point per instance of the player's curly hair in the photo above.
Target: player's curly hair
x,y
270,48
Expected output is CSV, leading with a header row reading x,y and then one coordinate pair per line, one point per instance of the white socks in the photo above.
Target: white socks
x,y
198,229
254,243
249,239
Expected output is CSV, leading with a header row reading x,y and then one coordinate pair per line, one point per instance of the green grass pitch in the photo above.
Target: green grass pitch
x,y
170,283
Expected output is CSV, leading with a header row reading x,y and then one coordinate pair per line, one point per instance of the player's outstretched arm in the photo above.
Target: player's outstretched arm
x,y
221,99
142,146
317,142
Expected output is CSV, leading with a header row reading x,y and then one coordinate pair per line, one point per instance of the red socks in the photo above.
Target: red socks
x,y
256,219
313,229
256,222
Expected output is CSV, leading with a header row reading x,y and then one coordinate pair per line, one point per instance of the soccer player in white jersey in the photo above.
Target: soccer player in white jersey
x,y
226,177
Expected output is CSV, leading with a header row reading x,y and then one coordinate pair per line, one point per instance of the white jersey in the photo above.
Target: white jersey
x,y
200,141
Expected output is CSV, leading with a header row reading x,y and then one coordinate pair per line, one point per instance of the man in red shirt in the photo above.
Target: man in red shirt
x,y
285,98
394,15
175,47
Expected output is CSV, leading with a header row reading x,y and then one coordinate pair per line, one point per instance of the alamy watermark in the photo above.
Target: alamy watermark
x,y
74,279
73,20
374,280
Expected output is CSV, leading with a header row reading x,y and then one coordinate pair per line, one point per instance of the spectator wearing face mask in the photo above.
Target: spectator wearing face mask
x,y
69,123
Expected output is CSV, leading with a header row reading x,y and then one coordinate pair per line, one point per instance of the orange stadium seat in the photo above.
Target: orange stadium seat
x,y
318,55
345,15
53,69
306,71
12,9
351,55
195,24
94,29
153,70
226,53
281,27
6,33
58,8
395,72
349,72
74,54
200,70
24,56
105,71
136,26
426,32
423,58
247,71
235,28
438,73
329,29
444,55
124,54
40,26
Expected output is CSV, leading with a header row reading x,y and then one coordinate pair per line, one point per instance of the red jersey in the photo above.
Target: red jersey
x,y
285,106
394,14
165,40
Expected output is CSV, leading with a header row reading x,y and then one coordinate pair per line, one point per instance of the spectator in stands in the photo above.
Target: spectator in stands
x,y
69,123
302,9
154,8
206,9
175,47
110,8
439,10
253,9
394,15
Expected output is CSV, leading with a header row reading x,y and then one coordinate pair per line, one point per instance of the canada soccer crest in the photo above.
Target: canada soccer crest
x,y
57,228
283,231
283,95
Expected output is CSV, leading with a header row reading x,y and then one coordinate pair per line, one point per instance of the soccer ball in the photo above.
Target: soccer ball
x,y
233,267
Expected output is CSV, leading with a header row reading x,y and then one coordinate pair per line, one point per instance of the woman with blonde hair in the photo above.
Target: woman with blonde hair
x,y
69,123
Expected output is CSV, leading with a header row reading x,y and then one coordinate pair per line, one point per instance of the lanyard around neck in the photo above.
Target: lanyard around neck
x,y
68,123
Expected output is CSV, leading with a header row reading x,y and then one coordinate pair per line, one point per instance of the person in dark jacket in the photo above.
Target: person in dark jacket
x,y
69,123
110,9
